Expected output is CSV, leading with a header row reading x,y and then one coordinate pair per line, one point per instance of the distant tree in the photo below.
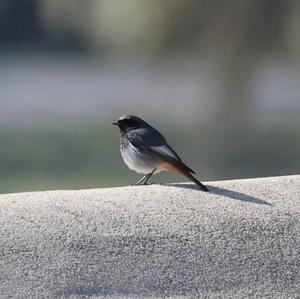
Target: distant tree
x,y
19,22
236,35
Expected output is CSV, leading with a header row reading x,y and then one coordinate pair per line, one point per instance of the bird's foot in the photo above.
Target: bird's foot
x,y
144,184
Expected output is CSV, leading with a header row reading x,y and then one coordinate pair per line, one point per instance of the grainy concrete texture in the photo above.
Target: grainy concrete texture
x,y
242,240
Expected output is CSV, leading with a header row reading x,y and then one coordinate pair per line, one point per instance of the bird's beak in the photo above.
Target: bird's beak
x,y
115,124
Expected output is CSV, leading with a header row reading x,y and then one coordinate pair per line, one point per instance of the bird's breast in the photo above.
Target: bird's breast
x,y
137,159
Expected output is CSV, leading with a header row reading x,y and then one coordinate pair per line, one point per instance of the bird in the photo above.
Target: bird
x,y
145,150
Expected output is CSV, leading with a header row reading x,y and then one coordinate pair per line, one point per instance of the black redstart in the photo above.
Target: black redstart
x,y
146,151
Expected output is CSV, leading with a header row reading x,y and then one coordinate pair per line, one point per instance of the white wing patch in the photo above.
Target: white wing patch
x,y
164,150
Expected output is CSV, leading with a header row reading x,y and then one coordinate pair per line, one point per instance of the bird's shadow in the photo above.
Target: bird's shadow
x,y
225,192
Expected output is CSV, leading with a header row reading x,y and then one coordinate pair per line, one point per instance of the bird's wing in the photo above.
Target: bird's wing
x,y
154,143
165,150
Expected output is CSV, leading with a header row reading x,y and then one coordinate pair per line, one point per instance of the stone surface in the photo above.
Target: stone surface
x,y
240,240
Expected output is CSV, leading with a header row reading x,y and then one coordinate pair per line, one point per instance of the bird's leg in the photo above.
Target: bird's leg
x,y
145,178
141,180
148,176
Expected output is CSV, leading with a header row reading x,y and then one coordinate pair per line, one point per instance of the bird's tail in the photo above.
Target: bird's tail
x,y
193,179
180,167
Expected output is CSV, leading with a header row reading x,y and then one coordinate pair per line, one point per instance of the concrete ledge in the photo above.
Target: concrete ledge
x,y
241,240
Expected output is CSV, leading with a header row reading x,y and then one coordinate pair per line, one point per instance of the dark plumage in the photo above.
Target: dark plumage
x,y
146,151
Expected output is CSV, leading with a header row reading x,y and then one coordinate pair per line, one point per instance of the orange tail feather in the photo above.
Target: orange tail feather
x,y
180,169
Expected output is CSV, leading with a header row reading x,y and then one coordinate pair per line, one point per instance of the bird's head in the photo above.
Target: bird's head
x,y
129,122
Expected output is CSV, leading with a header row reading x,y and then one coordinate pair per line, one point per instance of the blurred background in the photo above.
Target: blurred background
x,y
220,79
